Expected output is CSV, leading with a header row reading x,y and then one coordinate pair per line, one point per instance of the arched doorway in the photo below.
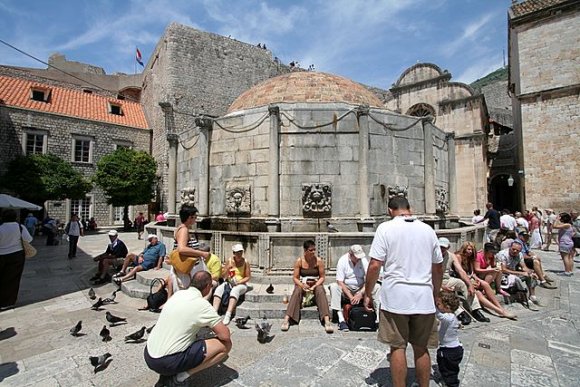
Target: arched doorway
x,y
502,195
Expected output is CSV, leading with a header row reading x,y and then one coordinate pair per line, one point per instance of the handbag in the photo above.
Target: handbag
x,y
156,300
360,319
29,250
182,264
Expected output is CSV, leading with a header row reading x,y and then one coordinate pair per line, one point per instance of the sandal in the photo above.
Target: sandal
x,y
285,326
328,328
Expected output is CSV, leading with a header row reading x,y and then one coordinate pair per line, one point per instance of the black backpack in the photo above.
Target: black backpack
x,y
360,319
156,300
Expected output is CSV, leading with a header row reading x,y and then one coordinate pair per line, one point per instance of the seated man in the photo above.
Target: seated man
x,y
461,285
512,263
172,349
350,283
532,261
115,250
151,257
214,266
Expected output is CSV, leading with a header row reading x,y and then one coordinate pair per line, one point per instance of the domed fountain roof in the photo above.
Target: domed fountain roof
x,y
305,86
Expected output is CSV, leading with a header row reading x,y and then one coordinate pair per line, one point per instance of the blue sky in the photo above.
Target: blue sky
x,y
371,41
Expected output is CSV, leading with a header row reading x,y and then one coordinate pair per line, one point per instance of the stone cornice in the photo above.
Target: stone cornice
x,y
557,92
396,90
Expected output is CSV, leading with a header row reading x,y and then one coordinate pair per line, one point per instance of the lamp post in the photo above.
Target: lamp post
x,y
510,181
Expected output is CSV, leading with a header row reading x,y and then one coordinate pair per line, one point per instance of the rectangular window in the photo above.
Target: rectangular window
x,y
122,144
115,109
34,142
82,207
82,150
38,94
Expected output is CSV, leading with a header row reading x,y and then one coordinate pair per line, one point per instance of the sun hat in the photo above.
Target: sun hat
x,y
444,242
357,251
237,247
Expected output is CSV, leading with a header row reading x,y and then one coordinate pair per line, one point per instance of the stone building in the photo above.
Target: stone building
x,y
544,79
426,90
76,125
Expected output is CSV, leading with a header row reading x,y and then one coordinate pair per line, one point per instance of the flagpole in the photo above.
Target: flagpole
x,y
135,62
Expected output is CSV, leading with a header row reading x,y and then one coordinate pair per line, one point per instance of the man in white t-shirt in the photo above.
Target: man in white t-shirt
x,y
350,283
413,270
507,221
172,349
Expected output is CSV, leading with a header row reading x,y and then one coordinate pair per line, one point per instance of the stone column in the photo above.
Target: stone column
x,y
205,126
452,172
429,171
173,140
362,115
274,165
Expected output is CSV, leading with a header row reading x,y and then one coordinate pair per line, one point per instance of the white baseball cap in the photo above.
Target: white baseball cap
x,y
237,247
113,233
357,251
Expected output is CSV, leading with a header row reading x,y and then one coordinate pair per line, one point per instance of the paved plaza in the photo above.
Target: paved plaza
x,y
541,349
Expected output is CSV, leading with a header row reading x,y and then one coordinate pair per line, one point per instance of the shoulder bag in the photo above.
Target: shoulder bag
x,y
29,250
156,300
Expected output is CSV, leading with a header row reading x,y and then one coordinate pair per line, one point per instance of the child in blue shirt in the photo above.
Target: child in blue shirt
x,y
450,351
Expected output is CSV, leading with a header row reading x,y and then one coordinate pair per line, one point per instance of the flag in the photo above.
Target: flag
x,y
139,58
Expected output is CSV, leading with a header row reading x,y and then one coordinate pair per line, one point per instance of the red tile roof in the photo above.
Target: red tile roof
x,y
530,6
16,92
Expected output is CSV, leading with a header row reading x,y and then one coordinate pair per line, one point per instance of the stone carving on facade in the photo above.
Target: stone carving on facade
x,y
238,201
316,200
401,191
441,201
188,197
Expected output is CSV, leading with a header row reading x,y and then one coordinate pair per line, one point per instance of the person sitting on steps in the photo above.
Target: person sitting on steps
x,y
151,257
115,250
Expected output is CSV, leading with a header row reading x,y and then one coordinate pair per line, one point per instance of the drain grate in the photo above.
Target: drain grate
x,y
483,345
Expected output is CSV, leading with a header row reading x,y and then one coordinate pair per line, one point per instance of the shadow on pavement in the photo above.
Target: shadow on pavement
x,y
7,333
8,369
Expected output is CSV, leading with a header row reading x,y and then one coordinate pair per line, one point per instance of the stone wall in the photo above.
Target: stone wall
x,y
552,162
60,131
541,45
198,73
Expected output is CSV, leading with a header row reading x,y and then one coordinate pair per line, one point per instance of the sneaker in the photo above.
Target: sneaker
x,y
117,280
227,319
566,274
119,274
535,300
546,285
343,326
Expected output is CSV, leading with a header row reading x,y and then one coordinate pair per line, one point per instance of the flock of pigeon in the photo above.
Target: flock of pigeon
x,y
101,362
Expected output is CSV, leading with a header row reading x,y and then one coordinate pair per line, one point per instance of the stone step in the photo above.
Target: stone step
x,y
146,277
135,289
272,310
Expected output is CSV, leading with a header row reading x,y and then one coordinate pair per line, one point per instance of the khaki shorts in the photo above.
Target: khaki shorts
x,y
399,329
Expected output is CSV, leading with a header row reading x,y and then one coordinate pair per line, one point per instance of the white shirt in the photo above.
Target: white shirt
x,y
448,330
10,239
181,318
476,218
507,222
408,248
522,222
353,276
74,229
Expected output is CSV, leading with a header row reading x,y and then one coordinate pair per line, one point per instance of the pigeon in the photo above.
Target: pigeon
x,y
330,227
105,334
136,336
263,328
114,319
241,321
270,289
111,300
76,329
92,294
150,328
99,361
97,305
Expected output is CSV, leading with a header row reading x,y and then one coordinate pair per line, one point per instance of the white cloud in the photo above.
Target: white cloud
x,y
471,33
480,69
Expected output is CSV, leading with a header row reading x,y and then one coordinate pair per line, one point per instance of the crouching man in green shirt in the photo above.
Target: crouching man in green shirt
x,y
172,349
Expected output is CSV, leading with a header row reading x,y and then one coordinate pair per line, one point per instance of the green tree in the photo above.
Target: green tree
x,y
127,177
42,177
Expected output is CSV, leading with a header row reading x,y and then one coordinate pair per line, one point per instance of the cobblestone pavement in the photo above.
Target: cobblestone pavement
x,y
541,349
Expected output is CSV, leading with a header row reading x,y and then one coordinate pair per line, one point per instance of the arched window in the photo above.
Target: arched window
x,y
422,110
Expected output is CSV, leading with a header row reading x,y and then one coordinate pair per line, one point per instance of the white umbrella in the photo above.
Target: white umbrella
x,y
7,201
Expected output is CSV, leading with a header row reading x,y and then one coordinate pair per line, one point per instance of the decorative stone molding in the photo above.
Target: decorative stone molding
x,y
441,200
316,200
188,197
238,201
397,191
